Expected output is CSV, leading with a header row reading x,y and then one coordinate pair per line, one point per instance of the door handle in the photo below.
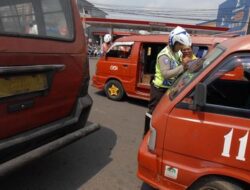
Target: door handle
x,y
125,65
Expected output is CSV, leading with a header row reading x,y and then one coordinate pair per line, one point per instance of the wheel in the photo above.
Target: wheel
x,y
147,187
217,183
114,90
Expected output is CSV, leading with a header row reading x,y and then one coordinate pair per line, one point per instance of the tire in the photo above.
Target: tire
x,y
217,183
114,90
145,186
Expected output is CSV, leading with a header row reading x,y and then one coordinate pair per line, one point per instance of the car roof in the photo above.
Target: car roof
x,y
241,43
163,38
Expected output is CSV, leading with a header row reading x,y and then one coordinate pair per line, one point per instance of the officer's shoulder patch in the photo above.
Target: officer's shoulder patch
x,y
165,60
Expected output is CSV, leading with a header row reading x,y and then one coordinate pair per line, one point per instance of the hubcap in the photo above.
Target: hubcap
x,y
113,90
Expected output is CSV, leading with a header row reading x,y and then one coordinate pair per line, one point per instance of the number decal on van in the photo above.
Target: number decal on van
x,y
113,68
242,148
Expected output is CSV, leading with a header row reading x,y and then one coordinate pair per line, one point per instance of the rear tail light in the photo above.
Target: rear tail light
x,y
85,80
84,87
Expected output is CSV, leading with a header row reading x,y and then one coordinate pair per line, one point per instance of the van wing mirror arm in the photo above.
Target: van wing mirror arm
x,y
105,55
200,97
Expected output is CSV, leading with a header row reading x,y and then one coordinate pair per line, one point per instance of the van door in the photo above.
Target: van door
x,y
217,133
41,63
147,62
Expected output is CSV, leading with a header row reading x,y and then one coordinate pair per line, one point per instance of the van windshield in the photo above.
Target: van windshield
x,y
38,19
194,69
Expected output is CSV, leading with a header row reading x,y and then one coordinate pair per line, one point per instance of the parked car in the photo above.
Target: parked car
x,y
129,65
44,76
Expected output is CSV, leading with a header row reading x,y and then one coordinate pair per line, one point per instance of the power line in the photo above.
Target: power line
x,y
192,14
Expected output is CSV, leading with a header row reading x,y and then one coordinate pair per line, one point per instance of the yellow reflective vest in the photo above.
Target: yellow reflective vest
x,y
159,80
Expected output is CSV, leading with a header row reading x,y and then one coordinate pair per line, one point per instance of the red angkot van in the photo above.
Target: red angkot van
x,y
129,65
44,75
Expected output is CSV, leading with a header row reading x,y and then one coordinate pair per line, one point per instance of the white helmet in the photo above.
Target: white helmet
x,y
107,38
180,35
90,40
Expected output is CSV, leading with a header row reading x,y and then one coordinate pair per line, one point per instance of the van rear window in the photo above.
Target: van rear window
x,y
40,18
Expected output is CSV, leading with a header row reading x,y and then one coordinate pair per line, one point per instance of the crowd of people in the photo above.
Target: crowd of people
x,y
94,49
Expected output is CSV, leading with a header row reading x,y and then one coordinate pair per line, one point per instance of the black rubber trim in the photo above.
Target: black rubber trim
x,y
217,109
30,69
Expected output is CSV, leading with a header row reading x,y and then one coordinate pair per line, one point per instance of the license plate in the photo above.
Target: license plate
x,y
17,85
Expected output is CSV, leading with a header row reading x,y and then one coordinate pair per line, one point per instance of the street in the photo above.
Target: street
x,y
105,160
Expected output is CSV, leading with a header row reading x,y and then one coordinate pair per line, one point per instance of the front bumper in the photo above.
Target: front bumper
x,y
149,169
147,164
98,82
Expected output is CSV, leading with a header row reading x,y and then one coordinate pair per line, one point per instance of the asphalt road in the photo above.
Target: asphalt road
x,y
105,160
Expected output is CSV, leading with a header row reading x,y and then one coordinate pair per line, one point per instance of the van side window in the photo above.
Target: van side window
x,y
228,88
230,85
45,18
120,51
57,18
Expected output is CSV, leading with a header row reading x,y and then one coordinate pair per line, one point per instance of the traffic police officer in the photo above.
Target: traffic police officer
x,y
169,65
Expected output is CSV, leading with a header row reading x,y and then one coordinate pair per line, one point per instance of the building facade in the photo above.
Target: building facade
x,y
87,9
233,14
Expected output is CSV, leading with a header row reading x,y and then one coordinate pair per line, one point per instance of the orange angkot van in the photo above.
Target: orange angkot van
x,y
199,131
129,65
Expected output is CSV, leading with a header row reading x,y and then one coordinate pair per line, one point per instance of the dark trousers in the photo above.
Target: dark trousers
x,y
155,96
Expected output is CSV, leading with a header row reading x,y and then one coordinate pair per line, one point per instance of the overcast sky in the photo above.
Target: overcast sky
x,y
184,5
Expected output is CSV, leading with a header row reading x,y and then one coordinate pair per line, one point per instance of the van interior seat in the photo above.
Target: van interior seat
x,y
201,52
232,93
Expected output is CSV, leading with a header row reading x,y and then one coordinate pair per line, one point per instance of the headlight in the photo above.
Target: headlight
x,y
152,138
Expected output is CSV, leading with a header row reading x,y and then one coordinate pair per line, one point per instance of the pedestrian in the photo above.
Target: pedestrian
x,y
33,28
169,65
90,47
107,43
188,52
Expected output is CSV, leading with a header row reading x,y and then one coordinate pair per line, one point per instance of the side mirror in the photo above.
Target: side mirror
x,y
107,54
200,96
